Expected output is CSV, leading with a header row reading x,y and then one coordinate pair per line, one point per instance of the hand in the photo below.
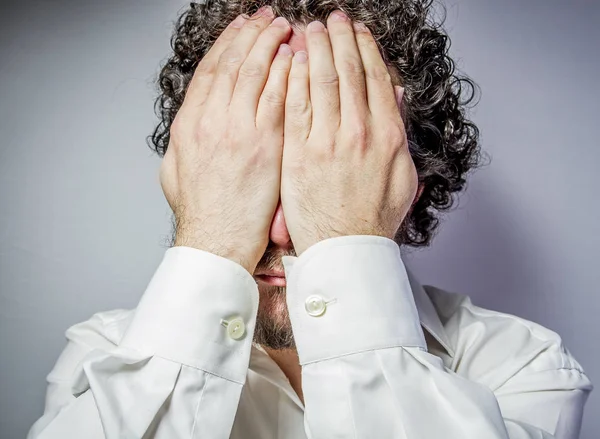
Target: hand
x,y
222,169
346,167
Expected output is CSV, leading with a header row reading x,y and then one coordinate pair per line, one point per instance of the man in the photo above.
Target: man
x,y
299,159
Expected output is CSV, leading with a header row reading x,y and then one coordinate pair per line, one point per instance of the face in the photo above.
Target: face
x,y
273,328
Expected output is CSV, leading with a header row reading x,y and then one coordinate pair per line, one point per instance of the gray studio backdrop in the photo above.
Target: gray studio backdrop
x,y
83,220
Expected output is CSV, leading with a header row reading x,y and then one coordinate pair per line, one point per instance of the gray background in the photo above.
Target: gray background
x,y
83,220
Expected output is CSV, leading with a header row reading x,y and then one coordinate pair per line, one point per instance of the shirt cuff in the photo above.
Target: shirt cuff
x,y
361,284
179,315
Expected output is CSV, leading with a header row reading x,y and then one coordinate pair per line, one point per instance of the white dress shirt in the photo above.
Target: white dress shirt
x,y
381,356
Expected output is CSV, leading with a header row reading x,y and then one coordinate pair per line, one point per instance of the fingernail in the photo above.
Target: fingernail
x,y
360,27
301,56
339,16
264,11
238,22
279,22
284,49
316,26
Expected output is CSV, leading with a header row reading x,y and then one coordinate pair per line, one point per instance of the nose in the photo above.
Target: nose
x,y
279,233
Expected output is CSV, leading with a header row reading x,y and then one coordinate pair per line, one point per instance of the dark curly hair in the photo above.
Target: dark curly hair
x,y
443,142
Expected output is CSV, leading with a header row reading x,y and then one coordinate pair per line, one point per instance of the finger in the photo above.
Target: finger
x,y
324,80
255,71
380,92
348,63
270,113
234,56
203,75
298,107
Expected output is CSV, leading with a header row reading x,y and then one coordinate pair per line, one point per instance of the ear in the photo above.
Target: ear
x,y
418,195
399,92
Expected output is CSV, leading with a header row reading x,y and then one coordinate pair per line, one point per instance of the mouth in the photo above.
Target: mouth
x,y
272,278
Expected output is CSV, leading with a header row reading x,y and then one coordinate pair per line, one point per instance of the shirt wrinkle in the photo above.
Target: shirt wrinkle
x,y
416,338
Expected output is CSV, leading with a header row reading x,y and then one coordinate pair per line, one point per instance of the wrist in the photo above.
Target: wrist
x,y
219,249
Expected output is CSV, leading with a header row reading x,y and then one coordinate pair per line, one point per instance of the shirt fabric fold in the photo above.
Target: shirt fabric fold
x,y
382,356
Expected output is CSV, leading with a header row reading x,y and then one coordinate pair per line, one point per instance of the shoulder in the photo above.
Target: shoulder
x,y
492,347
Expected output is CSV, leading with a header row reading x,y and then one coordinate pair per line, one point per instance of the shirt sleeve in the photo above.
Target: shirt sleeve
x,y
366,371
179,368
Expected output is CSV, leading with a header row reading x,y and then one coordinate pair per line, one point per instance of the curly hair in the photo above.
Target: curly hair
x,y
443,142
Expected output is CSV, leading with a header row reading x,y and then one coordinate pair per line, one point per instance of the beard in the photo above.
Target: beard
x,y
273,326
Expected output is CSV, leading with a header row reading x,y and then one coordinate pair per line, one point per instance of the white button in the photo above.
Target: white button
x,y
235,327
315,305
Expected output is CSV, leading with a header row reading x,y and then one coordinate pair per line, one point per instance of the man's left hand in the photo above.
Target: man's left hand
x,y
346,167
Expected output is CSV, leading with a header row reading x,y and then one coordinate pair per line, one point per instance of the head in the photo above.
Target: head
x,y
443,142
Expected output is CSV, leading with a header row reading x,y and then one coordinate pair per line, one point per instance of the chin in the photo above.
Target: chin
x,y
272,302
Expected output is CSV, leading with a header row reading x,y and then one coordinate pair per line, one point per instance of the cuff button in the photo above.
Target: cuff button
x,y
315,305
235,327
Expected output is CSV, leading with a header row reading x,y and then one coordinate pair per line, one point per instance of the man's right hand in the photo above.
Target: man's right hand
x,y
222,169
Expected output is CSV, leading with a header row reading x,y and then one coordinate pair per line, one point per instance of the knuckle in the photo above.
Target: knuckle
x,y
204,127
280,66
272,32
230,58
331,79
254,25
379,73
205,68
273,98
237,130
353,66
297,106
394,139
231,136
360,134
365,41
252,70
201,126
296,75
325,152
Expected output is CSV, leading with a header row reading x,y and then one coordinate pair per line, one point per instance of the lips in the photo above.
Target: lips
x,y
272,273
272,278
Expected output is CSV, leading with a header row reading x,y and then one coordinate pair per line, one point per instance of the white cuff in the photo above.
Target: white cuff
x,y
179,315
372,304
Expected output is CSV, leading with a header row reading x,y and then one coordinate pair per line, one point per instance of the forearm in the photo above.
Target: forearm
x,y
176,370
366,370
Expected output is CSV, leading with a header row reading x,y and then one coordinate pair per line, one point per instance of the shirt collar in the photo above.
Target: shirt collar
x,y
428,315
